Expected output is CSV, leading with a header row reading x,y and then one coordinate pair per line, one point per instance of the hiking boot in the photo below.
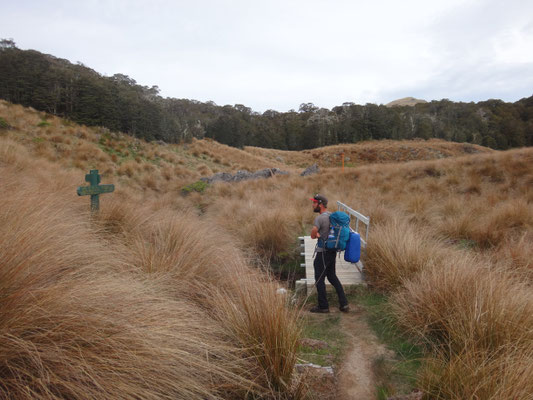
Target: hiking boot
x,y
319,310
345,308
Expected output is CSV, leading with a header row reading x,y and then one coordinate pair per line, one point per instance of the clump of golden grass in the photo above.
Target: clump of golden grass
x,y
72,327
172,251
128,168
461,303
397,251
270,233
13,154
478,321
475,374
499,222
261,320
517,254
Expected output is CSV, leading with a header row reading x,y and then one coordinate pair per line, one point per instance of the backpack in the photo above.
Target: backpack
x,y
339,231
352,253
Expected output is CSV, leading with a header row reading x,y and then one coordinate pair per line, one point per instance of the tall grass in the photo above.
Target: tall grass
x,y
450,239
397,251
478,374
478,322
72,326
134,304
465,303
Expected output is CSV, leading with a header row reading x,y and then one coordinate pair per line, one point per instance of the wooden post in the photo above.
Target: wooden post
x,y
94,189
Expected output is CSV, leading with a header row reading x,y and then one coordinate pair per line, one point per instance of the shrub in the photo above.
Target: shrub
x,y
4,124
43,124
198,186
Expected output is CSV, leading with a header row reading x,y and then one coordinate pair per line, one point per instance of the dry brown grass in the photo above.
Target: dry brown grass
x,y
422,212
465,304
480,335
479,375
171,250
73,327
397,251
140,305
357,154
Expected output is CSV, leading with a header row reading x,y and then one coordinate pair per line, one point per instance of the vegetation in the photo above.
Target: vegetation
x,y
96,307
132,304
80,94
198,186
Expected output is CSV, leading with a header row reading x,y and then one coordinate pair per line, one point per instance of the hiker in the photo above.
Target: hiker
x,y
324,262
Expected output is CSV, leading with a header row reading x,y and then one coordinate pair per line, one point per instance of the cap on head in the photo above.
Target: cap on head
x,y
320,199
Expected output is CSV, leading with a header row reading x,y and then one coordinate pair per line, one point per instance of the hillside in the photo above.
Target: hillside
x,y
406,101
370,152
95,306
160,166
118,103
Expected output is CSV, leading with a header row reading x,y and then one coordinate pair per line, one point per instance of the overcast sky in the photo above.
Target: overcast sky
x,y
274,54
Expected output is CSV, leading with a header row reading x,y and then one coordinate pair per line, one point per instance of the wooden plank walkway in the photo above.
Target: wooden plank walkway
x,y
348,273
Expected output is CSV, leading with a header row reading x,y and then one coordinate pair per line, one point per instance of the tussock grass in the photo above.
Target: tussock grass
x,y
171,250
474,374
464,303
478,323
471,307
73,327
263,322
397,251
270,234
133,304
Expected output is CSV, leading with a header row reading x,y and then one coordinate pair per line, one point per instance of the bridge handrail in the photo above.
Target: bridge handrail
x,y
358,217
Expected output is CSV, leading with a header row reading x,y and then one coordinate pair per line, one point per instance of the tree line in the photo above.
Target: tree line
x,y
78,93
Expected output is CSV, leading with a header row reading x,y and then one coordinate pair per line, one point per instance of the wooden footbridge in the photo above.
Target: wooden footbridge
x,y
348,273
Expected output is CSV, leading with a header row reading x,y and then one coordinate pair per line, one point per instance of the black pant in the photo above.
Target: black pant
x,y
325,268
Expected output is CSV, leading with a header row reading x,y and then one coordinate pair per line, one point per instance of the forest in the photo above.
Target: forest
x,y
82,95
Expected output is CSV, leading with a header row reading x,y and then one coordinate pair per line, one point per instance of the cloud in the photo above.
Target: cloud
x,y
278,54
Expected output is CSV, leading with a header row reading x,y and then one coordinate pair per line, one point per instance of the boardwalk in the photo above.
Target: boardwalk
x,y
348,273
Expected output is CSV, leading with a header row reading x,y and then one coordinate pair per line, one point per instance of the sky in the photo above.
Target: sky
x,y
277,54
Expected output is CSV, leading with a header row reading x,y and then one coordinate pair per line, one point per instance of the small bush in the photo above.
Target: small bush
x,y
198,186
4,124
43,124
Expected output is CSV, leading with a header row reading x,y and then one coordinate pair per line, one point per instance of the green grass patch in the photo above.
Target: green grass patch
x,y
3,124
324,327
395,375
37,139
198,186
43,124
467,244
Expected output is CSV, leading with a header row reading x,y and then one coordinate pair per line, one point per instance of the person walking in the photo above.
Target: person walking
x,y
324,263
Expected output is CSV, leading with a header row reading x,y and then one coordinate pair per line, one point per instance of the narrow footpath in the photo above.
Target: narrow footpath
x,y
355,376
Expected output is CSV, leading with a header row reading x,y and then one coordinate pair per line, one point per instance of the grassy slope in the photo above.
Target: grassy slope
x,y
433,223
132,303
370,152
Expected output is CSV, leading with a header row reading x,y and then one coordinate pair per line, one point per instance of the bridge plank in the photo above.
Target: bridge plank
x,y
347,272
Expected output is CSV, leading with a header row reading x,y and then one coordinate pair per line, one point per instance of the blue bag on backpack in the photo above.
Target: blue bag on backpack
x,y
339,231
352,253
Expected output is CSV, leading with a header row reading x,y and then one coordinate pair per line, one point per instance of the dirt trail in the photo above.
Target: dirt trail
x,y
355,378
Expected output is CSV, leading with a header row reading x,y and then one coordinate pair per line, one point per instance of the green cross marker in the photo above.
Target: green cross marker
x,y
94,189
